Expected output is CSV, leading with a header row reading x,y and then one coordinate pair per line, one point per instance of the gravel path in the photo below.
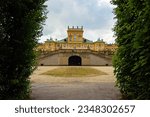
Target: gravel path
x,y
81,88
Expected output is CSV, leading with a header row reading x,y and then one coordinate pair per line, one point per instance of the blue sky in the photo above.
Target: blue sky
x,y
94,15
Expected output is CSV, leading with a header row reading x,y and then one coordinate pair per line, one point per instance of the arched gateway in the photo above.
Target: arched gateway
x,y
75,61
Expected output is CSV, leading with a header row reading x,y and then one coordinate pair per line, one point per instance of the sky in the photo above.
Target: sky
x,y
96,17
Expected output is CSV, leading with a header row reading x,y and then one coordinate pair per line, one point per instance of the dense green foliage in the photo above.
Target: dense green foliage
x,y
20,26
132,59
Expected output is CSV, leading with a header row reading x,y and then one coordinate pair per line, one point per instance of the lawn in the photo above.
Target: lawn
x,y
74,72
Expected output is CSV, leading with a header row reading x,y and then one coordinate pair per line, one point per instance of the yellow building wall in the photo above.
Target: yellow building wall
x,y
76,41
75,35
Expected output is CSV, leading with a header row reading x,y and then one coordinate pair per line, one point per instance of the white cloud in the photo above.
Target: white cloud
x,y
95,15
105,3
106,35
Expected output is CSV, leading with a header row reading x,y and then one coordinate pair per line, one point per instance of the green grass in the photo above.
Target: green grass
x,y
74,72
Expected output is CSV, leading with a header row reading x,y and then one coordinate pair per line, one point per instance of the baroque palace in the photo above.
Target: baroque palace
x,y
77,47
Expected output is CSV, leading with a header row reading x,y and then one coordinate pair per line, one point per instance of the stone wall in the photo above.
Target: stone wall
x,y
87,59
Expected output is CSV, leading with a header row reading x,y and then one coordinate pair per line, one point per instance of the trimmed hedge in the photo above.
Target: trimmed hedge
x,y
132,59
20,26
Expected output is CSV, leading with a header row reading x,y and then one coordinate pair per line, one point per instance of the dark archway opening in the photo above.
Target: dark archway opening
x,y
74,61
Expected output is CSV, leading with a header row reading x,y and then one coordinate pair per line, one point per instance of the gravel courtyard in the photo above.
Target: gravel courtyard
x,y
45,87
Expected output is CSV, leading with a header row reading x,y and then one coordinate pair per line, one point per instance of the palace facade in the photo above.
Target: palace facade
x,y
76,41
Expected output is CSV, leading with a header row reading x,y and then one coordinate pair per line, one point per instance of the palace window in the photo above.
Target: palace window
x,y
70,38
75,37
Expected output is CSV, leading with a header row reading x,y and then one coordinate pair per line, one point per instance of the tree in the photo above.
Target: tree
x,y
132,59
20,27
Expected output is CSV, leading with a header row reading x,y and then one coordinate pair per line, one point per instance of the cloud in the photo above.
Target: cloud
x,y
95,15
